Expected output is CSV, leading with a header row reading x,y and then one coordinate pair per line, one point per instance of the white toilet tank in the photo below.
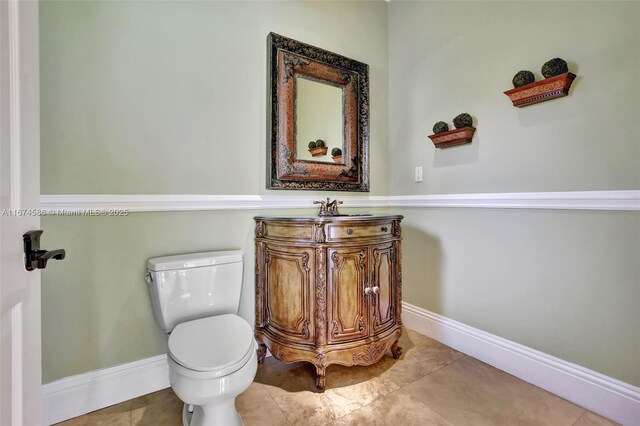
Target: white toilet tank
x,y
196,285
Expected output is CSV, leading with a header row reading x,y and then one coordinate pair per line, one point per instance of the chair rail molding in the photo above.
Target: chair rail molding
x,y
568,200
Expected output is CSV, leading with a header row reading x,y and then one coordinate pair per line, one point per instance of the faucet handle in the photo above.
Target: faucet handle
x,y
328,208
323,207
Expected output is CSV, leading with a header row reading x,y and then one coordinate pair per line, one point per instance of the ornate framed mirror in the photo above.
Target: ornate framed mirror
x,y
316,97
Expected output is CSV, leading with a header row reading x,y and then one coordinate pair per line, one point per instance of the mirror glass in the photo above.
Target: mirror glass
x,y
316,95
318,117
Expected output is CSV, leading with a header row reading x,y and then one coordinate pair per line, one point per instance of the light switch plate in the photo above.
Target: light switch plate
x,y
418,174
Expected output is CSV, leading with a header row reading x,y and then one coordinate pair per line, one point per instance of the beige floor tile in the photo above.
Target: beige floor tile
x,y
471,392
439,385
306,408
397,408
256,407
421,356
348,398
116,415
411,338
339,375
350,388
295,377
292,387
165,396
347,389
592,419
167,412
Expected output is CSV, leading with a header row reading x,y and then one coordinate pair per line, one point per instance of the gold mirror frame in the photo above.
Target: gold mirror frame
x,y
286,59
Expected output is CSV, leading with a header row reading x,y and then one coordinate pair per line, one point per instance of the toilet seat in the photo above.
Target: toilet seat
x,y
218,345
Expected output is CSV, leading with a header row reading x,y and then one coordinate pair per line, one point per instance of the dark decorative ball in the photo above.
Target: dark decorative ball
x,y
312,145
522,78
319,143
553,67
335,152
440,127
463,120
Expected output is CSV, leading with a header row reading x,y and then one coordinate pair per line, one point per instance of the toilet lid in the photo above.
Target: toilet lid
x,y
222,343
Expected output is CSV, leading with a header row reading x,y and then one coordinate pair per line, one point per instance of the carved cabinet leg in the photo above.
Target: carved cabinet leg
x,y
396,350
320,377
262,352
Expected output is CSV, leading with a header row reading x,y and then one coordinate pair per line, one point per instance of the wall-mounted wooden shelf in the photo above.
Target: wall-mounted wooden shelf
x,y
540,91
318,151
453,137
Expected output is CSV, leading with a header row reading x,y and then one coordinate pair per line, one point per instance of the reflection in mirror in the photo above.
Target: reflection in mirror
x,y
318,117
316,94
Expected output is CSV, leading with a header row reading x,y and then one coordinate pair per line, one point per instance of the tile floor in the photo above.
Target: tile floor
x,y
431,384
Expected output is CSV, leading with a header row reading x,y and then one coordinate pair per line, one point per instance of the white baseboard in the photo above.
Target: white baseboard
x,y
74,396
596,392
77,395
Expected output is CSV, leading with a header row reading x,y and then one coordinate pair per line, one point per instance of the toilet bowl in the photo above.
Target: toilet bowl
x,y
211,362
212,352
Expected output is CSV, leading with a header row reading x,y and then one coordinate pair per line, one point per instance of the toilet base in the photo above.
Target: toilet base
x,y
222,413
186,415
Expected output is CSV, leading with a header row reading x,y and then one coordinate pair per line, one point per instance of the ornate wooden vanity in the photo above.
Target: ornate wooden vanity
x,y
328,289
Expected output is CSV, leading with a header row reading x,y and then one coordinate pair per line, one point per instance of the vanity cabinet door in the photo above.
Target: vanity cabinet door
x,y
347,279
328,290
288,280
383,284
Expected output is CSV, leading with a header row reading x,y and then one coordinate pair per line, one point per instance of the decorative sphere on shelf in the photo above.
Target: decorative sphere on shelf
x,y
523,78
555,66
319,143
440,127
463,120
336,152
312,145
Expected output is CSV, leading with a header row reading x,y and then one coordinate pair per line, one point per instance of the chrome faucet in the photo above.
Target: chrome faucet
x,y
328,208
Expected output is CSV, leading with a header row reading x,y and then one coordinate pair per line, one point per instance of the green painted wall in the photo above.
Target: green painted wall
x,y
96,310
451,57
564,282
169,98
165,98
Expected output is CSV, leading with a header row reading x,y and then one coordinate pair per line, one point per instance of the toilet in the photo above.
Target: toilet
x,y
212,351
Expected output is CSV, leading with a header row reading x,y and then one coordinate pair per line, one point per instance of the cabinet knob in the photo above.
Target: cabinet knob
x,y
384,229
349,231
376,290
367,290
